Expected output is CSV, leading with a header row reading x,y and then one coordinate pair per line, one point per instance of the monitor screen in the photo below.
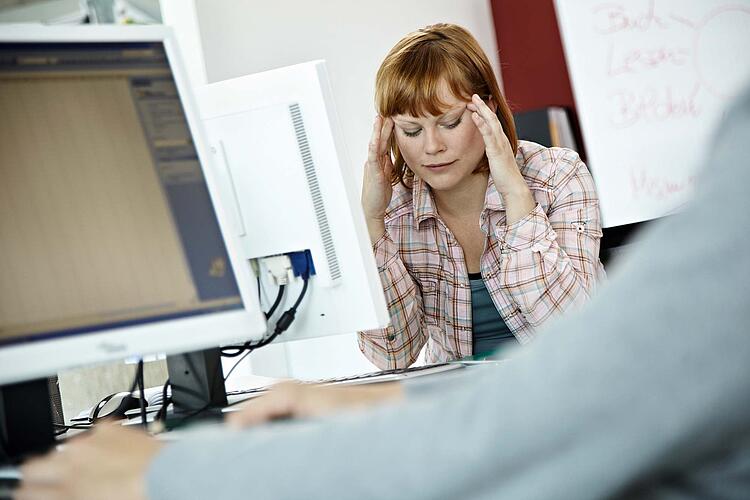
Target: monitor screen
x,y
106,217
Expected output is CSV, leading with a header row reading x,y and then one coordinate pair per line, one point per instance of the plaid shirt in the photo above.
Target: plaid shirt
x,y
546,263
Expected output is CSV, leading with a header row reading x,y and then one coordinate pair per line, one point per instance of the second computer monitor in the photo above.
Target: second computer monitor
x,y
288,185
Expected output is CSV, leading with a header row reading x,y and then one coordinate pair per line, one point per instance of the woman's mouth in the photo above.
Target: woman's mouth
x,y
438,166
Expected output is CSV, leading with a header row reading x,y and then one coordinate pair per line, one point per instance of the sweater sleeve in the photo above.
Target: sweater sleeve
x,y
586,412
591,410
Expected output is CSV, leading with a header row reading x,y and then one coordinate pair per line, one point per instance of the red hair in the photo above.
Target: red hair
x,y
410,78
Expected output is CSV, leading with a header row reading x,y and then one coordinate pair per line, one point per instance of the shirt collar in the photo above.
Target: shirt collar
x,y
424,204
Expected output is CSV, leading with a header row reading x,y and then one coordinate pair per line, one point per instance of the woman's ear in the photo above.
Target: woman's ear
x,y
492,104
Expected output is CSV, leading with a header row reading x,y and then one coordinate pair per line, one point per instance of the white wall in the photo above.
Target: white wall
x,y
239,37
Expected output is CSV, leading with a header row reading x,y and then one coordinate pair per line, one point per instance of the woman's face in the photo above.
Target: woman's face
x,y
443,150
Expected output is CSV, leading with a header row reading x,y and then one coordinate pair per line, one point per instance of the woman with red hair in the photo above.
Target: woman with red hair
x,y
479,237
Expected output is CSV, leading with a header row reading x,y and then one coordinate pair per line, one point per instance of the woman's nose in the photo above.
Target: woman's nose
x,y
434,143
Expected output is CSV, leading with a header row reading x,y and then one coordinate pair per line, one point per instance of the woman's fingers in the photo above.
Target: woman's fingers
x,y
482,125
489,126
376,182
373,147
385,136
483,115
377,153
481,107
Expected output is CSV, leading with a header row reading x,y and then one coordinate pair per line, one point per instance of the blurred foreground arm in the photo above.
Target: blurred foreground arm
x,y
603,407
294,400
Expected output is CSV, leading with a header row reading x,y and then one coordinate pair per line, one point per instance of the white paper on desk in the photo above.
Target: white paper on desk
x,y
651,79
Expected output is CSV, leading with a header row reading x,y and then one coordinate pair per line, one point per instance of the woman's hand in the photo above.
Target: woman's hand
x,y
503,167
294,400
376,184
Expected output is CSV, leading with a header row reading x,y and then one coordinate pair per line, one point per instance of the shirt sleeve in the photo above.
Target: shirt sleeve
x,y
398,345
550,260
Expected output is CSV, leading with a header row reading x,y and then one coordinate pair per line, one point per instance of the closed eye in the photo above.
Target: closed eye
x,y
414,133
453,125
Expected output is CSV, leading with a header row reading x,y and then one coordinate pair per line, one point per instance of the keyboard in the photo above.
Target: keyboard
x,y
393,374
366,378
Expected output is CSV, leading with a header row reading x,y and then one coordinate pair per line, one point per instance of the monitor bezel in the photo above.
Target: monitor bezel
x,y
40,358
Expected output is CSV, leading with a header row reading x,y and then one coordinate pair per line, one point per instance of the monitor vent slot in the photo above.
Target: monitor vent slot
x,y
317,198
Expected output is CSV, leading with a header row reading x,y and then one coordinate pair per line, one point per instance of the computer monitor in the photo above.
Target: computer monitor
x,y
111,244
288,184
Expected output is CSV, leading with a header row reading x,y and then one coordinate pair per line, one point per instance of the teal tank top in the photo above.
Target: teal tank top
x,y
489,330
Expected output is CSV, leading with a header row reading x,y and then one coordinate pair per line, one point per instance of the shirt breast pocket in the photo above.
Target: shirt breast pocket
x,y
429,285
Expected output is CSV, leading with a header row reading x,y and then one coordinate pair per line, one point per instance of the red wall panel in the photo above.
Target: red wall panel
x,y
531,55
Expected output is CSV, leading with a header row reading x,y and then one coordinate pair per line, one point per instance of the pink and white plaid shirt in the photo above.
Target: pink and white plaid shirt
x,y
544,264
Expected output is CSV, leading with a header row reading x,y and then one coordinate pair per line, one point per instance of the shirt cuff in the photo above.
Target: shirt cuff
x,y
532,232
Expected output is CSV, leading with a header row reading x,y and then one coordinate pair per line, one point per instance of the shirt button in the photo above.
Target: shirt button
x,y
391,337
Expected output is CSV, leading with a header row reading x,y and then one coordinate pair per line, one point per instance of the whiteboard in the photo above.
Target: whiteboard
x,y
651,79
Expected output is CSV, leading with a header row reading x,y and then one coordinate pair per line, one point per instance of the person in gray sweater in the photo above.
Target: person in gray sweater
x,y
645,393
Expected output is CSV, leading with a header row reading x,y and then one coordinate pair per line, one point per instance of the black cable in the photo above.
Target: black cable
x,y
64,428
287,318
135,381
282,325
238,363
142,393
61,429
302,293
162,413
276,302
236,350
232,351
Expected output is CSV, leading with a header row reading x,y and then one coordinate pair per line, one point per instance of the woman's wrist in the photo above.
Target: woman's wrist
x,y
509,181
375,228
519,202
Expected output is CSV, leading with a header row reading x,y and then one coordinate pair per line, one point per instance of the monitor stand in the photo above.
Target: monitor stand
x,y
26,415
197,382
26,422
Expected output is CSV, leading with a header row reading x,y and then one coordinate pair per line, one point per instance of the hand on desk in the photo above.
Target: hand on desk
x,y
294,400
110,461
106,462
